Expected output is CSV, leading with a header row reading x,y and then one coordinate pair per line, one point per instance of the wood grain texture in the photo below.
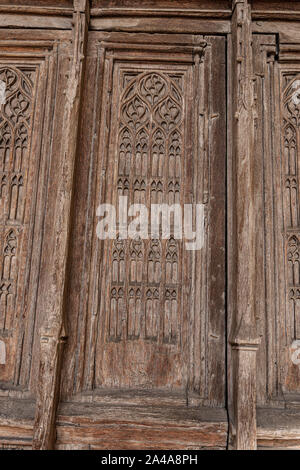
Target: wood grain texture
x,y
264,9
141,428
12,20
177,25
153,357
53,329
278,429
244,337
158,4
137,330
28,69
264,47
278,319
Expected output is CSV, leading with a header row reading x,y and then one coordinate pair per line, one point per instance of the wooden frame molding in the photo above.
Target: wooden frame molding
x,y
53,331
244,339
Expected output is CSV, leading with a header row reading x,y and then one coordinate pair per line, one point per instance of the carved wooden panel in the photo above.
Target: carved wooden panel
x,y
16,120
142,294
290,92
150,313
150,112
16,117
26,78
290,146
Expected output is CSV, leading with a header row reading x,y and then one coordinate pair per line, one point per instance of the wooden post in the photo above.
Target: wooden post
x,y
244,339
53,331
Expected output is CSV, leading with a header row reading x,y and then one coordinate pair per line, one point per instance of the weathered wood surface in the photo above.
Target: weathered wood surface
x,y
278,429
16,422
104,371
277,80
119,427
264,9
244,339
264,51
262,213
98,426
53,331
29,68
16,21
177,25
152,5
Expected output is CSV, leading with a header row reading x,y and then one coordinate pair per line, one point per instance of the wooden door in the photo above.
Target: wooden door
x,y
143,320
146,318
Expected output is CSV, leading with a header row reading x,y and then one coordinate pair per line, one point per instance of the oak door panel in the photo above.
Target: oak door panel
x,y
151,315
28,110
278,240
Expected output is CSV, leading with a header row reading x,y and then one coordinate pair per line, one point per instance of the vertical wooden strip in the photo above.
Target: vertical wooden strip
x,y
53,331
244,338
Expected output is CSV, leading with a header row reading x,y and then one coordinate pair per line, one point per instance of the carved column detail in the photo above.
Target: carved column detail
x,y
244,338
53,331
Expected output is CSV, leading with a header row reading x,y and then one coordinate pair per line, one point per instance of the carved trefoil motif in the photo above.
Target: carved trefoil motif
x,y
8,280
290,137
150,158
15,128
293,280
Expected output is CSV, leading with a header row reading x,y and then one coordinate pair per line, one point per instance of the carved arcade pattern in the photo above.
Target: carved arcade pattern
x,y
144,301
293,281
15,122
290,136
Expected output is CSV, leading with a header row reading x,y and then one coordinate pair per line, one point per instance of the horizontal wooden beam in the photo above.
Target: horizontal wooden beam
x,y
156,25
36,10
25,20
263,14
275,15
169,12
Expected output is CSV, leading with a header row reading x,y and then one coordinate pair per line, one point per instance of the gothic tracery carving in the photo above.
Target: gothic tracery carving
x,y
290,133
15,122
150,158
